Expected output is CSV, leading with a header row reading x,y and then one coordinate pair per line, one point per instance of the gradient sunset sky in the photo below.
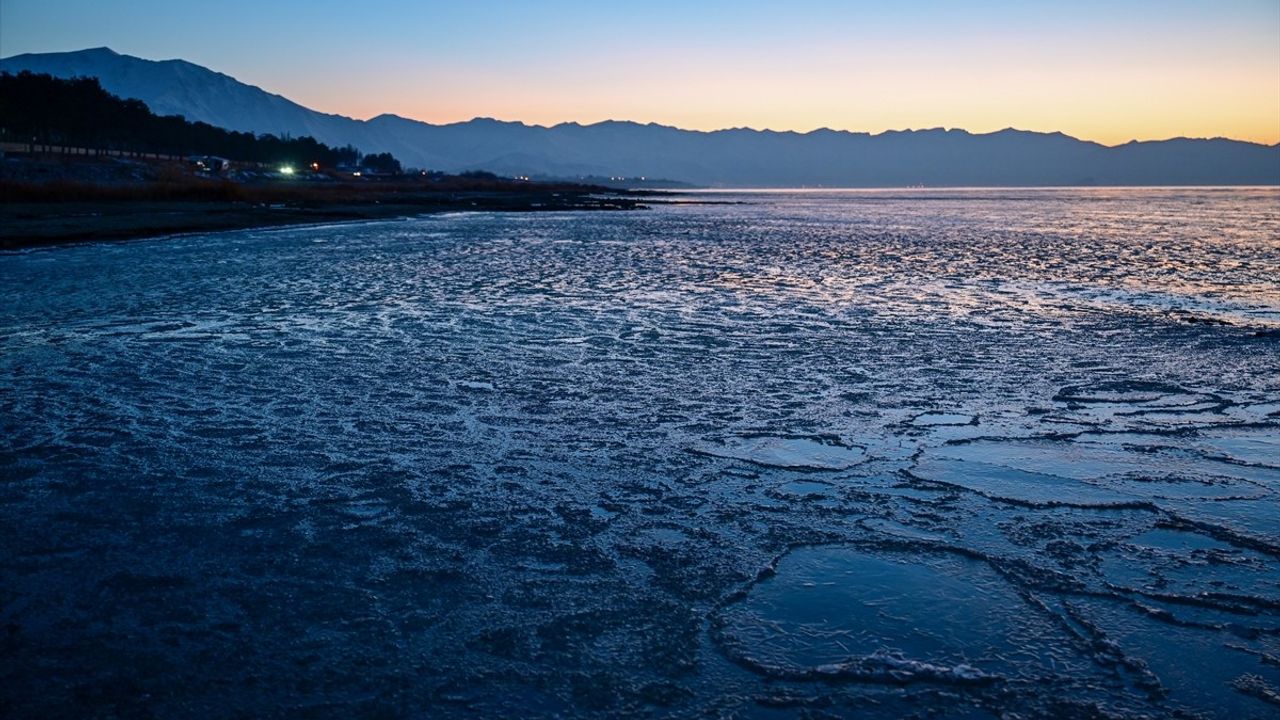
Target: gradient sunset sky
x,y
1105,71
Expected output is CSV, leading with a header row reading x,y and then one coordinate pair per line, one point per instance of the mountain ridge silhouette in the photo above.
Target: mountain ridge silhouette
x,y
738,157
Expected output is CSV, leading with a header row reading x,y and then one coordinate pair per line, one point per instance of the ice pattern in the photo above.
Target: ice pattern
x,y
937,453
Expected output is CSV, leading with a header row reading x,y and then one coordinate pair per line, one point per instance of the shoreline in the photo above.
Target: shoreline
x,y
28,225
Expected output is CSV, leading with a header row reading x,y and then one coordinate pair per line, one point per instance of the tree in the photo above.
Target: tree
x,y
382,163
79,113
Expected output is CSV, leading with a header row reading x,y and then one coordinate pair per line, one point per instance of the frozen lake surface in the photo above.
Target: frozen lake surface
x,y
959,453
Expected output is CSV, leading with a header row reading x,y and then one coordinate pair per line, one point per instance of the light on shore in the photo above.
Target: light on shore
x,y
286,170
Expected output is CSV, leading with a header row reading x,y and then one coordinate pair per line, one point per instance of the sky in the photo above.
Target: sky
x,y
1104,71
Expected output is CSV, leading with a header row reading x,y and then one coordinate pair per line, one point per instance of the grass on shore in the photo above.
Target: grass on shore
x,y
51,201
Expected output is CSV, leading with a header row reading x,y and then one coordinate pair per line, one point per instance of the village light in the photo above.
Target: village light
x,y
286,170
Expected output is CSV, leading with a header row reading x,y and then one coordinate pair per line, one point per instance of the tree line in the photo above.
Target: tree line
x,y
78,112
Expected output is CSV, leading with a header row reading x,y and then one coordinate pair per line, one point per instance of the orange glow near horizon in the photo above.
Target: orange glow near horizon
x,y
1109,105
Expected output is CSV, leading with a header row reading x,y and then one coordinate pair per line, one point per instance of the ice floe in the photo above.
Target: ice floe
x,y
788,452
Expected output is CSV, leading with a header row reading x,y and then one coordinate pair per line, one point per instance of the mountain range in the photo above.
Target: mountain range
x,y
737,157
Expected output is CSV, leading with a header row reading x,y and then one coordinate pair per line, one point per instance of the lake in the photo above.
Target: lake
x,y
866,453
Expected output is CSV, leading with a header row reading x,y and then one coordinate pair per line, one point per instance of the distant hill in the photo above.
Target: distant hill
x,y
78,112
735,158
